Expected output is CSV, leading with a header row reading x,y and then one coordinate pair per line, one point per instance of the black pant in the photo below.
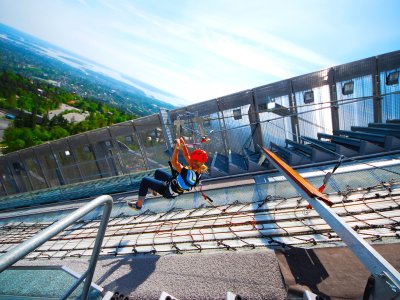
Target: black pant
x,y
156,184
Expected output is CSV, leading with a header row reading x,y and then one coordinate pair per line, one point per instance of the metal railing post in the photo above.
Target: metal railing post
x,y
97,247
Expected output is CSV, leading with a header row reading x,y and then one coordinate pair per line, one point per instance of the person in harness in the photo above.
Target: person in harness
x,y
183,178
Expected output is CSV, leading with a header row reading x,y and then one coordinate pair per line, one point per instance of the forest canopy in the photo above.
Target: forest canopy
x,y
34,99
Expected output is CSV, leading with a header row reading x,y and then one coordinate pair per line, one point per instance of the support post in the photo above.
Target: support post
x,y
3,185
25,169
293,112
166,123
75,160
222,126
13,178
113,155
97,157
115,146
36,158
254,119
333,98
59,173
17,178
376,92
141,147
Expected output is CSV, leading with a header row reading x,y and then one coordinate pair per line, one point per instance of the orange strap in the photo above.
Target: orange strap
x,y
305,185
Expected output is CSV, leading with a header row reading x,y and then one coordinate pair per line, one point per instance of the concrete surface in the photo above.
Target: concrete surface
x,y
70,117
252,274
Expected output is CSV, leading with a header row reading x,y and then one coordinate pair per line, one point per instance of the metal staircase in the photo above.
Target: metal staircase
x,y
373,139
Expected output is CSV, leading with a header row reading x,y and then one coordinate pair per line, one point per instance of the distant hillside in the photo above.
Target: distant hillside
x,y
45,112
34,58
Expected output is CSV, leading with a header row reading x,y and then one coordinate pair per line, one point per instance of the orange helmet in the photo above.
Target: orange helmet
x,y
199,155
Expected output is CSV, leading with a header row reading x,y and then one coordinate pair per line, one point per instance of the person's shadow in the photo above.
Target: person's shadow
x,y
127,273
306,268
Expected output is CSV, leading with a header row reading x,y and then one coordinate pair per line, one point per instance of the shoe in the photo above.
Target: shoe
x,y
154,193
133,204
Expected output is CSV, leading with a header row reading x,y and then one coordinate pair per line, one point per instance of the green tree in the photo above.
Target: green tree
x,y
39,98
12,101
57,132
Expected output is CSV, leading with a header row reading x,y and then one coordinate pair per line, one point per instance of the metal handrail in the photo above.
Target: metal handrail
x,y
21,250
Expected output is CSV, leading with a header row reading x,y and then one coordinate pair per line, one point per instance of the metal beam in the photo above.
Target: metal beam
x,y
2,183
141,147
19,184
38,162
376,92
368,256
166,126
113,155
59,173
75,159
222,126
122,169
294,118
333,96
254,118
25,169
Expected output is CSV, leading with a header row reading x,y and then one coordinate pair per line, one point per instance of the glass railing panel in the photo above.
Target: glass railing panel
x,y
40,283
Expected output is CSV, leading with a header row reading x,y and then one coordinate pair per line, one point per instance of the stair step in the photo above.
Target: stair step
x,y
251,159
314,154
362,146
304,148
331,148
291,157
383,131
346,141
393,121
251,155
385,125
220,165
238,160
370,137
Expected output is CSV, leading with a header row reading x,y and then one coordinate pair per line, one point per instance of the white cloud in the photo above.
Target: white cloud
x,y
187,39
84,3
194,54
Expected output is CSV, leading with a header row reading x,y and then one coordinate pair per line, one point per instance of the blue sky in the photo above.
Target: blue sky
x,y
199,50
